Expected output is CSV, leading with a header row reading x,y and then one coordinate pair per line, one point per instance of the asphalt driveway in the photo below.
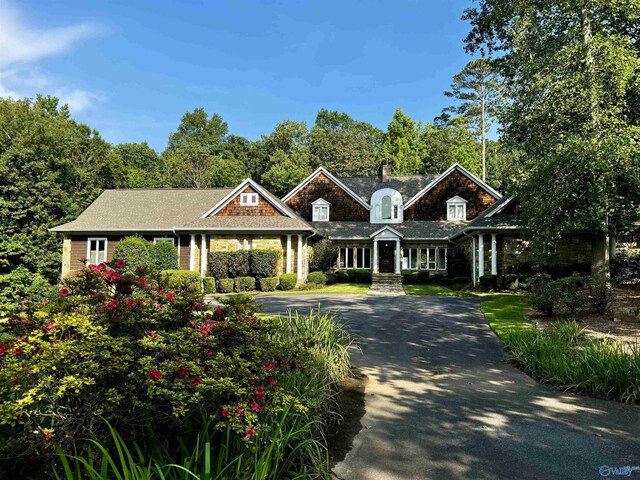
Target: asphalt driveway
x,y
441,403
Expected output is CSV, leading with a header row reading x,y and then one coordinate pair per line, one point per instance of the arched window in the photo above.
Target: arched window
x,y
386,207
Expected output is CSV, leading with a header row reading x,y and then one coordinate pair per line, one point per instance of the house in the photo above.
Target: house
x,y
388,224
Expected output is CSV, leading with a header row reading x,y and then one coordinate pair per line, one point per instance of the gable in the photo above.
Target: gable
x,y
234,209
344,207
432,205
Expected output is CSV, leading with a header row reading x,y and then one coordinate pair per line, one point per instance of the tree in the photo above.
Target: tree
x,y
287,170
571,73
197,128
400,145
143,165
477,89
345,146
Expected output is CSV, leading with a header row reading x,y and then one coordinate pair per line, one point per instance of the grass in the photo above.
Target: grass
x,y
436,290
336,288
562,356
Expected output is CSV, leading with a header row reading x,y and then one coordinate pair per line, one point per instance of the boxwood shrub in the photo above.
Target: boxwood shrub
x,y
239,265
410,277
245,284
317,278
264,263
361,276
341,276
219,264
135,253
225,285
182,280
288,281
209,284
268,284
164,256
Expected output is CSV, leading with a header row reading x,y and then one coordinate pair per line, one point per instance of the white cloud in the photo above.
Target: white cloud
x,y
22,45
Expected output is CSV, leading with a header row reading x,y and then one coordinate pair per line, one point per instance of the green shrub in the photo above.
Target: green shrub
x,y
163,255
410,277
135,251
324,256
225,285
341,276
219,264
317,278
539,293
311,286
488,282
331,278
461,280
568,297
458,265
625,268
182,280
20,284
209,284
425,275
264,263
239,265
244,284
362,275
268,284
288,281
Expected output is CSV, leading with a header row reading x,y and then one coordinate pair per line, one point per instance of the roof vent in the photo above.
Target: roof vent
x,y
386,172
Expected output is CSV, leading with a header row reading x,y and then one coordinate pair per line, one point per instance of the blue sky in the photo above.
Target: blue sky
x,y
132,68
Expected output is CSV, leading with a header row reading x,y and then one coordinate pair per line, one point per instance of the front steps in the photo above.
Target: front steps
x,y
386,284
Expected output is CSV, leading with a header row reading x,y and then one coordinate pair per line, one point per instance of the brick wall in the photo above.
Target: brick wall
x,y
264,208
433,204
343,206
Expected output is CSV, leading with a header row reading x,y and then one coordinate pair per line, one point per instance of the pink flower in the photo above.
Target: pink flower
x,y
183,371
121,263
15,380
131,302
17,351
139,270
210,353
204,329
254,406
47,437
271,380
48,327
260,391
225,412
153,335
239,409
276,388
20,338
196,381
142,282
269,366
250,433
261,408
155,374
170,296
3,350
64,292
218,310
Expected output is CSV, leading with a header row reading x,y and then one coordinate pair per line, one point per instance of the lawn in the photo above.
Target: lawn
x,y
336,288
437,290
505,314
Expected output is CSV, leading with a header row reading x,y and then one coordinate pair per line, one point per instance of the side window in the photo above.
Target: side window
x,y
96,250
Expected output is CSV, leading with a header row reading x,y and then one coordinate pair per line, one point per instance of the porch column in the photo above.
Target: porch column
x,y
192,253
299,263
473,254
494,254
481,255
288,267
203,255
375,256
398,256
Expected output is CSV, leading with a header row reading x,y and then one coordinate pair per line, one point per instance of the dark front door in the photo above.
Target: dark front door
x,y
386,257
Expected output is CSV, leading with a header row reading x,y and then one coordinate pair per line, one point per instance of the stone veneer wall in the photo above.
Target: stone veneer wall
x,y
229,243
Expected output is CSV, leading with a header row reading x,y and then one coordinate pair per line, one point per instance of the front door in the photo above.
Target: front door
x,y
386,257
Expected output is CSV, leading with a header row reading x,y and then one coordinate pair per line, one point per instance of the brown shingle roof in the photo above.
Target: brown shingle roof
x,y
137,210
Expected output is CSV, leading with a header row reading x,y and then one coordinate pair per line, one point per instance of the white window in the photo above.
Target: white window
x,y
456,209
164,239
354,257
431,258
442,259
363,257
249,199
320,210
96,250
245,244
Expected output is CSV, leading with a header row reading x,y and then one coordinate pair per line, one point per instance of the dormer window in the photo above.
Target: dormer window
x,y
456,209
386,206
320,210
249,199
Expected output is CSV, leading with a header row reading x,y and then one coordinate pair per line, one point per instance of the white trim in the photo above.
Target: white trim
x,y
494,254
164,239
203,255
461,169
398,252
387,227
299,255
236,191
192,252
320,204
456,202
247,199
244,229
500,207
480,255
330,176
288,265
97,239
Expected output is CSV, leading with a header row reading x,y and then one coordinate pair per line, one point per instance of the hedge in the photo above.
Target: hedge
x,y
182,280
288,281
268,284
264,263
164,256
225,285
341,276
219,264
317,278
244,284
239,265
209,284
135,253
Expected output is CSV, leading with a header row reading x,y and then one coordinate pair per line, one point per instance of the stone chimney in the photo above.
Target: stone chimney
x,y
386,173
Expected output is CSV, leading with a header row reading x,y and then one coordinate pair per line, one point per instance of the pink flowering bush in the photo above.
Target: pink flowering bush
x,y
121,346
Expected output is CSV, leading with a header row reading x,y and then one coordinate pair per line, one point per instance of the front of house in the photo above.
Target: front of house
x,y
386,224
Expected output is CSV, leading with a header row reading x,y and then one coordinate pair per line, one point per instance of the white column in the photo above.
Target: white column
x,y
203,255
192,253
288,266
473,254
299,263
494,254
398,256
480,255
375,256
